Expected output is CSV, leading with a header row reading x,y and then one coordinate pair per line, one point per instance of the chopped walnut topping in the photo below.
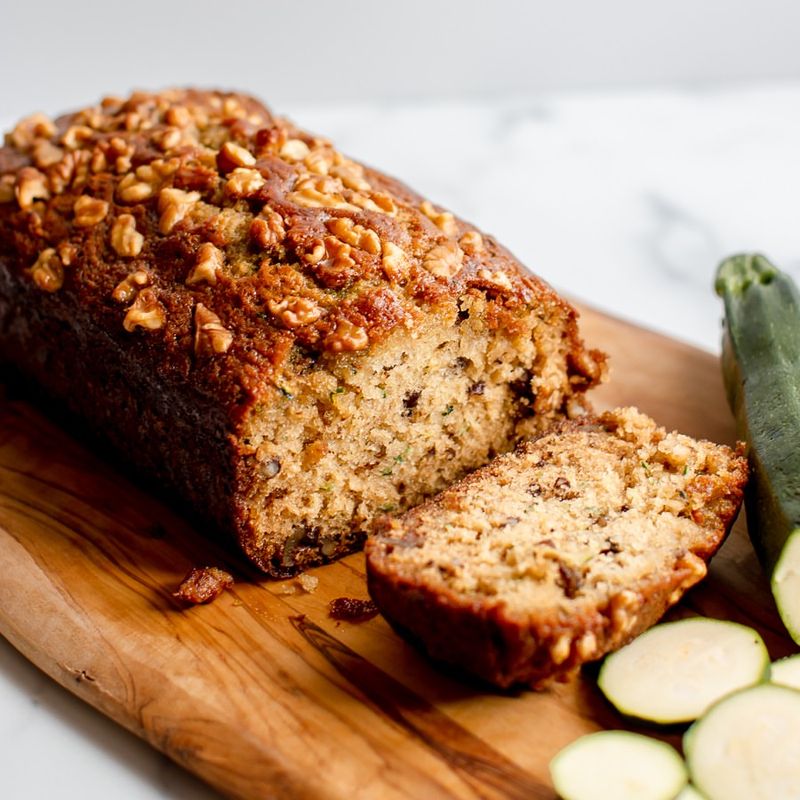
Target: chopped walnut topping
x,y
178,116
7,188
133,190
31,185
346,337
243,182
394,262
99,162
444,260
167,139
127,289
237,155
335,253
174,205
67,252
146,312
36,126
45,154
48,272
319,161
76,136
356,235
120,152
125,239
443,220
295,311
319,192
267,229
210,336
384,203
499,279
351,175
471,243
294,150
209,260
89,211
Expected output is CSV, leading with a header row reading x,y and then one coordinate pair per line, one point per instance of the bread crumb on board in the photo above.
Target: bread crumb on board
x,y
203,585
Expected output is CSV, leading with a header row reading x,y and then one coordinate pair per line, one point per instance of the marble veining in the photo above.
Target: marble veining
x,y
626,201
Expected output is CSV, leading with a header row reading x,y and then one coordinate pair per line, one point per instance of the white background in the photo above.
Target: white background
x,y
619,148
55,55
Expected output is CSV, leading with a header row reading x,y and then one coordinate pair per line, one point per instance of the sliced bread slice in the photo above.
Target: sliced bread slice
x,y
559,552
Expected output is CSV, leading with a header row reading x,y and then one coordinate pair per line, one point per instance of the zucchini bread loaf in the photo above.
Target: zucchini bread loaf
x,y
290,341
559,552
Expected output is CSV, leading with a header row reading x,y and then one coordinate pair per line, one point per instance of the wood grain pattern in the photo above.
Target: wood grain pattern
x,y
261,693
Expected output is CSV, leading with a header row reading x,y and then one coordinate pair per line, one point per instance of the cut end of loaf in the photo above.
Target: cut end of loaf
x,y
559,552
355,438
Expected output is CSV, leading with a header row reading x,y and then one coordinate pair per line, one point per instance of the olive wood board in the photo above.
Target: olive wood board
x,y
261,693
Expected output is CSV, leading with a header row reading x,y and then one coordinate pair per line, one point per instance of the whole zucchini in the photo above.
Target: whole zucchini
x,y
761,367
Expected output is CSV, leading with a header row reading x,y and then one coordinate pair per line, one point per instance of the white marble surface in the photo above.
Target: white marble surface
x,y
626,201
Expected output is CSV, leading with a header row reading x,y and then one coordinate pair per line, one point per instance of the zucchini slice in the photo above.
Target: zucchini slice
x,y
747,746
761,368
676,670
786,672
618,764
690,793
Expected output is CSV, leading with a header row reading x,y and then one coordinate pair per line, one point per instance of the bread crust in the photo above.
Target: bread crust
x,y
488,640
170,261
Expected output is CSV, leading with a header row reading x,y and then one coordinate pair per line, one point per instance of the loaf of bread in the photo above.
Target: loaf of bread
x,y
287,340
560,552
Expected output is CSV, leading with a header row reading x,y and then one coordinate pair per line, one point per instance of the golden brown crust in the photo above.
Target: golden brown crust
x,y
487,638
152,207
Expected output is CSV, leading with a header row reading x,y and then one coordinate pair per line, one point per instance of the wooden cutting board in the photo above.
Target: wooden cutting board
x,y
261,693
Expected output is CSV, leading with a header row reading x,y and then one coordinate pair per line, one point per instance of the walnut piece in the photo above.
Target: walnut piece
x,y
321,192
48,272
471,243
243,182
174,205
234,155
89,211
36,126
444,260
351,175
443,220
394,262
76,135
167,139
346,337
31,185
295,311
125,239
132,190
146,312
209,260
210,336
294,150
45,153
67,252
267,229
127,289
356,235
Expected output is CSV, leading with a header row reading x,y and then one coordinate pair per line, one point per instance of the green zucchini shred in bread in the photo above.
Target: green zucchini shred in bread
x,y
560,552
285,339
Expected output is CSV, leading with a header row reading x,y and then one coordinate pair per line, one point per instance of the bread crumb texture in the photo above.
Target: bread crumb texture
x,y
559,552
302,341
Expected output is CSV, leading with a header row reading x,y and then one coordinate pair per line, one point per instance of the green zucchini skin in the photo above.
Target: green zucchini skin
x,y
761,369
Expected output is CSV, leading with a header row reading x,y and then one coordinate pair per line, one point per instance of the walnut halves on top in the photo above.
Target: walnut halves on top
x,y
290,340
